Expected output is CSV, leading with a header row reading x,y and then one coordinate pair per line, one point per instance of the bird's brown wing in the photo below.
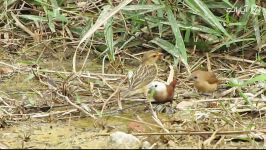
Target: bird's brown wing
x,y
212,78
144,75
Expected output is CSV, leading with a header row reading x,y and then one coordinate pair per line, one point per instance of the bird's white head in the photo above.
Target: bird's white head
x,y
157,86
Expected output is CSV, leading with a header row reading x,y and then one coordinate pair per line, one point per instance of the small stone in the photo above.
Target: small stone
x,y
146,145
136,127
123,140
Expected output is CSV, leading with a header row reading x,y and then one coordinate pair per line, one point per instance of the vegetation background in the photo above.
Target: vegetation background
x,y
175,26
97,39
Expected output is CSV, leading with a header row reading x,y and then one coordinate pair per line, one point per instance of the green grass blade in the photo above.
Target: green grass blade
x,y
50,21
196,28
171,49
179,43
56,12
230,42
201,9
34,18
8,2
201,29
244,19
245,98
103,20
143,7
261,77
55,8
108,33
257,31
228,3
97,25
264,13
167,46
160,15
218,5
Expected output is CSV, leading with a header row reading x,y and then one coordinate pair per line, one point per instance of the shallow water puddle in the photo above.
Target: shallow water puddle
x,y
74,133
48,135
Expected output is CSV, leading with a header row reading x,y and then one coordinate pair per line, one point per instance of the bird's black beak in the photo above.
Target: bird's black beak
x,y
191,78
160,55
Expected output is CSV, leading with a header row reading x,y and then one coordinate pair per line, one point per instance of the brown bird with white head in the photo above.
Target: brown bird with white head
x,y
163,92
204,81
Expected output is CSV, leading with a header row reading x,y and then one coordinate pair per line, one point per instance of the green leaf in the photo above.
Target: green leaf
x,y
217,5
30,76
103,20
34,18
55,7
187,35
49,15
44,6
31,101
201,29
61,18
9,2
160,15
245,17
257,31
167,46
228,3
143,7
245,97
108,32
77,98
234,82
230,42
40,2
55,16
202,10
264,13
261,77
151,93
51,22
179,43
109,39
86,28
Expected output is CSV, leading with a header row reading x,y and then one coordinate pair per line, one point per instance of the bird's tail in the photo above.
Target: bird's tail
x,y
174,83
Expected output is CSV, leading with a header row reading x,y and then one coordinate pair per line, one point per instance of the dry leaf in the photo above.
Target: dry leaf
x,y
91,86
6,70
82,4
136,127
185,105
171,74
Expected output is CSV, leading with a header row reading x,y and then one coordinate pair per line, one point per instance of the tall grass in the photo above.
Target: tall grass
x,y
175,26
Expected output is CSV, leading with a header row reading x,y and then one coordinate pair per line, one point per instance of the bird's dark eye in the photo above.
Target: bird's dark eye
x,y
154,56
195,77
155,85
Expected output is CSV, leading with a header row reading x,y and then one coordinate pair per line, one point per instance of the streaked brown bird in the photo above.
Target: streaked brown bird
x,y
144,74
163,92
204,81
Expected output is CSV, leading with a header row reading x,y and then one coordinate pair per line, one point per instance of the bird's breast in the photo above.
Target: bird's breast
x,y
204,86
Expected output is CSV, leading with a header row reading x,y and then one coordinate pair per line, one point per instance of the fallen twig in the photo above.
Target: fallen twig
x,y
76,106
113,94
190,133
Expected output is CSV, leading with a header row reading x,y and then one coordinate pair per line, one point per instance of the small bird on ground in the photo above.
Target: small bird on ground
x,y
163,92
204,81
145,73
